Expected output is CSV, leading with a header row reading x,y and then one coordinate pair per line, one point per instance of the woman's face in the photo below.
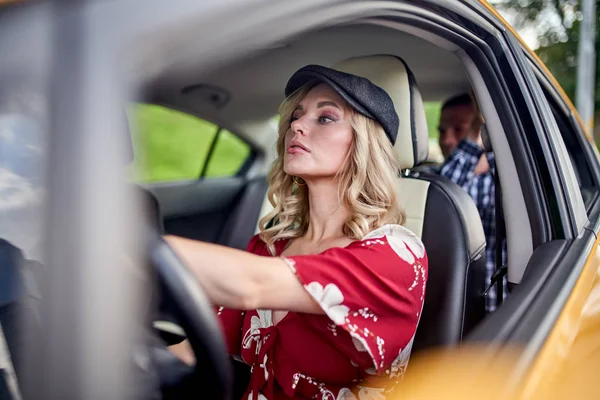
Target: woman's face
x,y
319,137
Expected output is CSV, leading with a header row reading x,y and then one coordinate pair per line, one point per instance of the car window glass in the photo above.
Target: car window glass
x,y
170,145
433,110
228,156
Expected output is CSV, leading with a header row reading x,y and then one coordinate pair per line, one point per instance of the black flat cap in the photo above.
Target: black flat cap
x,y
364,96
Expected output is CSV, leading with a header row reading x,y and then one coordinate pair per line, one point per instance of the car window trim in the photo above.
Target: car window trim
x,y
575,206
570,204
575,143
587,147
211,150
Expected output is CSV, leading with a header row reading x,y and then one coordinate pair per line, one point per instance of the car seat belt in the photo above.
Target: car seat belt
x,y
501,268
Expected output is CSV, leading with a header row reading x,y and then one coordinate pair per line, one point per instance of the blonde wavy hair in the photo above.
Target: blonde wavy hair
x,y
372,198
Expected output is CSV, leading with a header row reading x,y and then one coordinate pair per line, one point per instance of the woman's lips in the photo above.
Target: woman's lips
x,y
296,150
296,147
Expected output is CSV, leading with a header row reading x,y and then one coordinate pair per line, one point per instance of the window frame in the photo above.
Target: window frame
x,y
567,211
242,170
557,102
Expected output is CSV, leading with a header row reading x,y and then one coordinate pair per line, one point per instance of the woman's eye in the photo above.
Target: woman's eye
x,y
325,120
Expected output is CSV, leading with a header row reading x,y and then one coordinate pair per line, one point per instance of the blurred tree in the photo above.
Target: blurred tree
x,y
557,23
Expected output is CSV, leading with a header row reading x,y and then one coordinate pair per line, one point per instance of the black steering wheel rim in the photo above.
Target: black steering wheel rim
x,y
196,316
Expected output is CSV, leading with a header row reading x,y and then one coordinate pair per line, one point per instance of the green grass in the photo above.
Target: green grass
x,y
229,155
170,145
432,113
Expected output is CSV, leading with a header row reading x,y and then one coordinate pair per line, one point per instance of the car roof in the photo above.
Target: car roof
x,y
251,88
254,86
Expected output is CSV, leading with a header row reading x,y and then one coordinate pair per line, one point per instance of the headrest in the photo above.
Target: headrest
x,y
392,75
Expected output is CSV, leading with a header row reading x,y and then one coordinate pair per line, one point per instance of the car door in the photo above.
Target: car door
x,y
574,328
564,265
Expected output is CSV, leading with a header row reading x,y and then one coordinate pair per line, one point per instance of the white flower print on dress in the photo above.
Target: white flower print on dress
x,y
368,393
330,299
326,395
399,365
358,344
264,366
361,345
260,397
263,320
371,371
346,394
401,240
364,393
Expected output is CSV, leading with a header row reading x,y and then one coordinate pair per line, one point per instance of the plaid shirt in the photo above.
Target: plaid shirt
x,y
460,169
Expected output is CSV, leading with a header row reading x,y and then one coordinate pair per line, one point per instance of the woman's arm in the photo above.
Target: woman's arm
x,y
240,280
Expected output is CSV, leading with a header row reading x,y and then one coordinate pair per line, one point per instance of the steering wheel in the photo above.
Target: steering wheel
x,y
191,308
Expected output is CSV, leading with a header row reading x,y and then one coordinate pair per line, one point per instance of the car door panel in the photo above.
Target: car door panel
x,y
197,209
507,318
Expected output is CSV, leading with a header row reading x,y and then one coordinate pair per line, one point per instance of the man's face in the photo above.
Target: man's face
x,y
455,122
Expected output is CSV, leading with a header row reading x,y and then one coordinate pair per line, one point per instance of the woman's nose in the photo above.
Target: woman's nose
x,y
299,127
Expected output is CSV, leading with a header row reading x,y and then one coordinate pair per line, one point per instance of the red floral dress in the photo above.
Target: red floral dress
x,y
371,292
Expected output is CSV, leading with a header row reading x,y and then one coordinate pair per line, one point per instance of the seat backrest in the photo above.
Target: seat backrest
x,y
242,223
452,233
437,210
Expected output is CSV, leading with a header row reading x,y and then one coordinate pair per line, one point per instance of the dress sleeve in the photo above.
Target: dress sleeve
x,y
232,320
374,289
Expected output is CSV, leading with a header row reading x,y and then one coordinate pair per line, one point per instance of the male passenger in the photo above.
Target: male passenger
x,y
471,167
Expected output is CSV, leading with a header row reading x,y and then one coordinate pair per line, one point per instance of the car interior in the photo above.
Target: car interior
x,y
245,99
242,97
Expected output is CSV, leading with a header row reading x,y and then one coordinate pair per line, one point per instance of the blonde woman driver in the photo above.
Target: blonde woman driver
x,y
326,300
